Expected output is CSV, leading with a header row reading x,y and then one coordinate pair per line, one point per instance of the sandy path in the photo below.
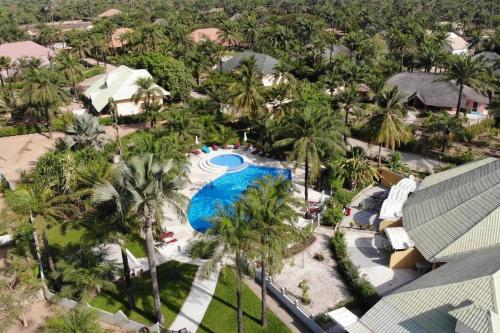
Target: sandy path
x,y
20,152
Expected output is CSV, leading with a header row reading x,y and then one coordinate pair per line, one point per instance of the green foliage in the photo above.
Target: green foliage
x,y
304,288
93,71
359,286
170,73
460,157
396,164
78,320
202,248
23,240
332,216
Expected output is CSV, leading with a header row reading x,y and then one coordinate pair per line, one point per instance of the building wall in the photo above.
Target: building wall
x,y
388,177
405,259
127,108
389,224
268,80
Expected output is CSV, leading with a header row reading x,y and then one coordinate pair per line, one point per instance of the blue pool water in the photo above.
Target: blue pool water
x,y
227,160
223,191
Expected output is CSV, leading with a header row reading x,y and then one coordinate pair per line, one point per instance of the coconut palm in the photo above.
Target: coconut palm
x,y
311,134
145,187
43,91
356,170
70,69
250,29
234,238
465,71
385,126
228,34
4,67
247,90
86,131
349,99
113,111
148,94
442,125
271,208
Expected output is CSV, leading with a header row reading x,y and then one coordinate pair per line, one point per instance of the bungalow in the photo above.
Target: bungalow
x,y
110,13
430,91
455,44
491,59
25,49
337,50
202,35
117,40
118,84
265,65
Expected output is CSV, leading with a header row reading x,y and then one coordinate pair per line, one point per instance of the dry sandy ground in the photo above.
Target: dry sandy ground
x,y
20,152
326,287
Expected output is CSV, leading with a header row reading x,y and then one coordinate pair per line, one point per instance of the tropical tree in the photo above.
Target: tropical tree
x,y
85,131
250,29
348,99
228,33
70,69
78,320
356,170
247,90
466,71
311,134
43,91
144,188
441,124
271,207
4,67
113,111
233,238
385,125
148,94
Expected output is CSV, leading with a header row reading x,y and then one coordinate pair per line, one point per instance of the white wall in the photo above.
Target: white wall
x,y
128,108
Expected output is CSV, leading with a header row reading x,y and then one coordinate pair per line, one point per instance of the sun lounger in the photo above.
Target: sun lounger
x,y
215,147
205,149
249,147
237,146
166,234
173,240
196,152
256,151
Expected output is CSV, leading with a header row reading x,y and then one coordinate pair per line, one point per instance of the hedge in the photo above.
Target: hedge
x,y
58,124
364,292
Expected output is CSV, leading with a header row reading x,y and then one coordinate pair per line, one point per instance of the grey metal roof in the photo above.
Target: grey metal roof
x,y
338,49
265,64
477,319
456,214
431,90
430,303
490,59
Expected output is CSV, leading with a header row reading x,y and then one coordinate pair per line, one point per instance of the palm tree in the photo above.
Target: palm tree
x,y
233,236
70,69
247,90
250,30
145,187
4,67
385,125
465,71
86,131
442,125
43,91
228,34
349,99
113,111
78,320
148,93
356,170
311,133
270,206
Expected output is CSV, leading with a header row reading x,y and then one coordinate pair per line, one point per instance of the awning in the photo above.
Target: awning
x,y
399,239
342,317
392,207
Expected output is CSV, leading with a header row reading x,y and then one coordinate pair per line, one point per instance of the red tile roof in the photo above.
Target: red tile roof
x,y
200,35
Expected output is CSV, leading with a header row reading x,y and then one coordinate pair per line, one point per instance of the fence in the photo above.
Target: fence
x,y
291,303
118,319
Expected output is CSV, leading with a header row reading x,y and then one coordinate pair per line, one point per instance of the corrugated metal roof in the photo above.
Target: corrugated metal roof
x,y
265,64
436,216
477,319
427,304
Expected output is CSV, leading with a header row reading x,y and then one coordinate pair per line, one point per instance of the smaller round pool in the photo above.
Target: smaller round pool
x,y
227,160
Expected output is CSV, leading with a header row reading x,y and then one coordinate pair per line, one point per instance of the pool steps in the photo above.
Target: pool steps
x,y
205,165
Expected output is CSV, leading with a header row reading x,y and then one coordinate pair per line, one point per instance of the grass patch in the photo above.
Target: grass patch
x,y
221,313
174,280
93,71
62,237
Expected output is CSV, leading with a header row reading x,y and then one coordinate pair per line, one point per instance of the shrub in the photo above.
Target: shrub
x,y
359,286
319,257
460,157
332,216
201,248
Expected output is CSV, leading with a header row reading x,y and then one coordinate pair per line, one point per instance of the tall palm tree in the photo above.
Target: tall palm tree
x,y
70,69
385,125
233,236
349,99
113,111
465,71
149,94
311,134
442,125
145,187
270,206
228,34
247,90
4,67
250,30
43,91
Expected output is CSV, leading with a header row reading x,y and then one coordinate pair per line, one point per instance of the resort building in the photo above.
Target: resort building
x,y
265,65
455,44
34,29
490,59
337,50
110,13
118,84
117,41
25,49
431,92
202,35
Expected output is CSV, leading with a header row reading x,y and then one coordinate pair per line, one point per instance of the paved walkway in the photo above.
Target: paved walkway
x,y
413,161
196,304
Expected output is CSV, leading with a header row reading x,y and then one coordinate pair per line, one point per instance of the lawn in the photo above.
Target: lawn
x,y
221,313
69,236
174,280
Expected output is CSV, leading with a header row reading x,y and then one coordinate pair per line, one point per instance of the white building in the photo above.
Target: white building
x,y
119,84
456,44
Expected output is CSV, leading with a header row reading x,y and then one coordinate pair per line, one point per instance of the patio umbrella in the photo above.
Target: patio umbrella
x,y
245,136
196,140
322,196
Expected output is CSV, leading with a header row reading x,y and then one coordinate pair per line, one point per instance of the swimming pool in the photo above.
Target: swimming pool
x,y
227,160
223,191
